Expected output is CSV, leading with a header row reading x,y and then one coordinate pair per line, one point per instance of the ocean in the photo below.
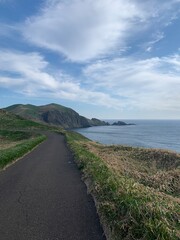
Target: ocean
x,y
163,134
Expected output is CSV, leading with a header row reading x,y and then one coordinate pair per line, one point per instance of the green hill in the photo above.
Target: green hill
x,y
54,114
9,120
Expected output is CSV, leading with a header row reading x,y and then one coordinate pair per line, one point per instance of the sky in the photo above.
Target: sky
x,y
110,59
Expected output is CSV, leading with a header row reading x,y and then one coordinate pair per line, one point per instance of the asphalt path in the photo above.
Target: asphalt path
x,y
42,197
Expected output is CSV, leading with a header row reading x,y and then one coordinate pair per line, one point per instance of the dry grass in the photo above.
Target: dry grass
x,y
14,144
10,154
128,207
5,144
155,168
10,139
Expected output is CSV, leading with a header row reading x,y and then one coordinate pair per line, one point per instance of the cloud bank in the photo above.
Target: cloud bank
x,y
122,83
141,84
30,74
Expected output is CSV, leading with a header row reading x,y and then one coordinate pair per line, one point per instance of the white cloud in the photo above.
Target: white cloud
x,y
122,83
87,29
29,66
82,30
30,74
141,84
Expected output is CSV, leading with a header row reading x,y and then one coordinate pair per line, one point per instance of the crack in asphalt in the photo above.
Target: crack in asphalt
x,y
19,198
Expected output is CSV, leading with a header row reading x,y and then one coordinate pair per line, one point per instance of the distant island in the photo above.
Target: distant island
x,y
121,123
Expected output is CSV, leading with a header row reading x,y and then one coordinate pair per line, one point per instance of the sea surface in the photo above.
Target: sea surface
x,y
164,134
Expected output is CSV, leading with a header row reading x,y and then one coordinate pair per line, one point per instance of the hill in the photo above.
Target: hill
x,y
11,121
54,114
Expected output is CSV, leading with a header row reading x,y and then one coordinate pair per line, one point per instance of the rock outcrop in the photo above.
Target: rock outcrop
x,y
121,123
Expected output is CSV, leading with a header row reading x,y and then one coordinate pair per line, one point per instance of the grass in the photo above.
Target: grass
x,y
10,154
155,168
17,136
128,208
14,135
10,121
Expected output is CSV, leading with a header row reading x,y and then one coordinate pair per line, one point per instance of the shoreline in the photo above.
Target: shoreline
x,y
145,134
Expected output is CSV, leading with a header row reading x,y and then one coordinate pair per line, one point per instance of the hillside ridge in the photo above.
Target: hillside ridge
x,y
54,114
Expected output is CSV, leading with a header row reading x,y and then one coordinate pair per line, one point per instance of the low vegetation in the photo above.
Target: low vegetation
x,y
122,181
14,144
11,121
152,167
17,137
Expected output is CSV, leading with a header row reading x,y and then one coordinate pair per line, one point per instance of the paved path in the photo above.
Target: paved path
x,y
42,197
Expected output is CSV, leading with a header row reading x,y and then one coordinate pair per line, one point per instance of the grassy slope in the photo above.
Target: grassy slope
x,y
10,154
11,121
28,109
129,209
152,167
33,112
18,136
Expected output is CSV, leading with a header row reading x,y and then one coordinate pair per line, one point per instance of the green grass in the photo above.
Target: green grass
x,y
9,155
73,136
14,135
17,137
10,121
128,209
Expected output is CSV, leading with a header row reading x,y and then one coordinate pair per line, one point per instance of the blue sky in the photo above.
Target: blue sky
x,y
106,58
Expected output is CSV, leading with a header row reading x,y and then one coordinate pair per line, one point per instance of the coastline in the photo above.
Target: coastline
x,y
146,134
